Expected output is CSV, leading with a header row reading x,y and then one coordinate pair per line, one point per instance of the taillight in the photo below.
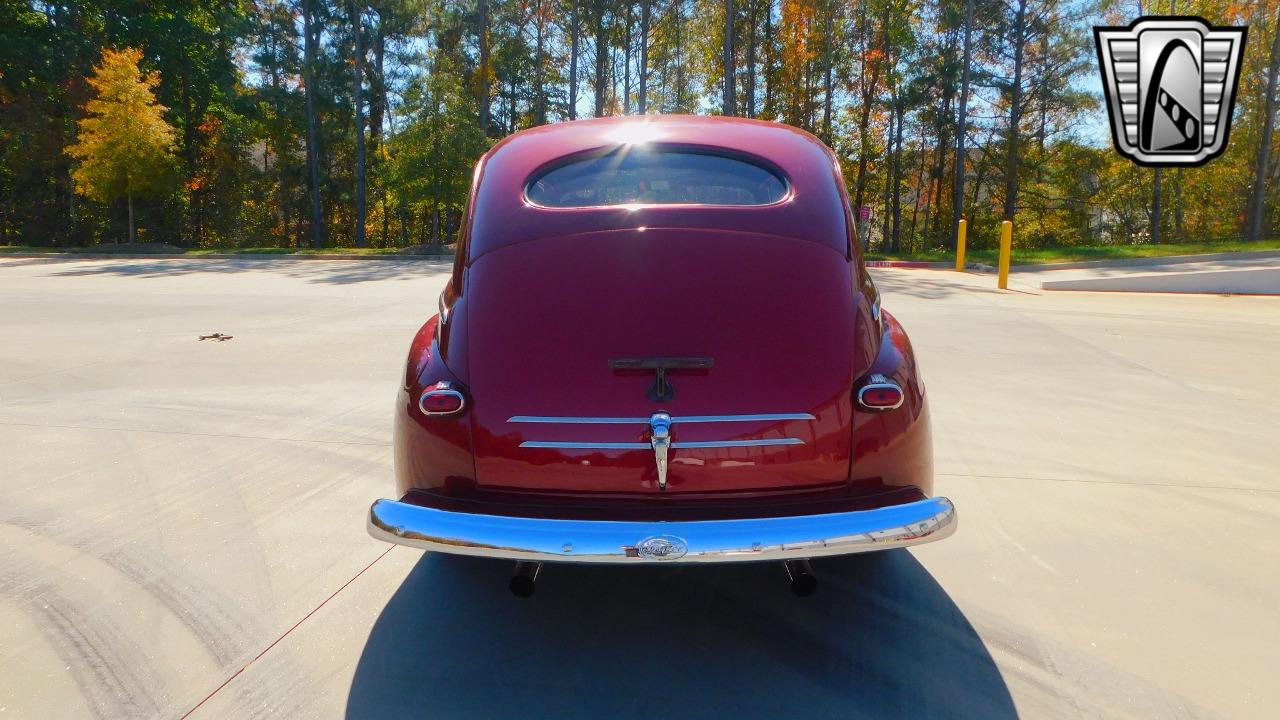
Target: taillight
x,y
880,393
441,399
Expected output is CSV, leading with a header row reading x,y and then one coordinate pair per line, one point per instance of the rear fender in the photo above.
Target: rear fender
x,y
431,452
893,449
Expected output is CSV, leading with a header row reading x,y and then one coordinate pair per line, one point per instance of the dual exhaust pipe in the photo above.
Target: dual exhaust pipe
x,y
524,578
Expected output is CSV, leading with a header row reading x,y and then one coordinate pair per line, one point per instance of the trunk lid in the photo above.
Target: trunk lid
x,y
775,316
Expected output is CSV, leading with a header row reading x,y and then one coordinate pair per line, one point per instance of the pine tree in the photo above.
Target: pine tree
x,y
124,146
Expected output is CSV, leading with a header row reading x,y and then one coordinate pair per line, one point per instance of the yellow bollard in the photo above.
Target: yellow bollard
x,y
964,228
1006,249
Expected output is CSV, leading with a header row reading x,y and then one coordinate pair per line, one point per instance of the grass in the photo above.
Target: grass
x,y
1036,256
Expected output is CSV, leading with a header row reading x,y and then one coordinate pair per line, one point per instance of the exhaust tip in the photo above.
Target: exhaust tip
x,y
524,579
522,586
803,582
804,585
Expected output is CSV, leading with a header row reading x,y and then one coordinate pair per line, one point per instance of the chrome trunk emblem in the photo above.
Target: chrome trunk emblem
x,y
662,547
660,439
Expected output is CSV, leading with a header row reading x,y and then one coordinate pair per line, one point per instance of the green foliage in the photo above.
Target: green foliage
x,y
433,156
224,145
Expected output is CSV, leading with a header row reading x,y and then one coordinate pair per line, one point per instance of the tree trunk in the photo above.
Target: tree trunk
x,y
1015,114
962,128
1155,207
752,17
1262,161
357,91
643,100
941,126
377,90
896,243
677,6
540,65
828,59
310,48
573,61
864,123
767,39
1177,205
279,146
511,106
132,232
727,101
482,12
626,64
602,56
887,220
920,183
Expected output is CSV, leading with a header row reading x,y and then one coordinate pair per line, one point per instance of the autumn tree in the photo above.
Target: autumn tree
x,y
124,147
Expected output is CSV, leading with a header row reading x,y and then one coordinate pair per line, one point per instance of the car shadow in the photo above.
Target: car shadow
x,y
880,639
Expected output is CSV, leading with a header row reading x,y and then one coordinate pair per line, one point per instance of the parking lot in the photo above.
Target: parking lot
x,y
182,521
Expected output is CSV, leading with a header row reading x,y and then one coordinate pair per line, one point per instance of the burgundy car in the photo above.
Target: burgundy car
x,y
660,344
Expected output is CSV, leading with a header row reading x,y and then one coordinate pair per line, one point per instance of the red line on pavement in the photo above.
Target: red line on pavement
x,y
286,634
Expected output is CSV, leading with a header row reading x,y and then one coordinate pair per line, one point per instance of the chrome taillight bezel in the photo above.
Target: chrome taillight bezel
x,y
446,389
880,382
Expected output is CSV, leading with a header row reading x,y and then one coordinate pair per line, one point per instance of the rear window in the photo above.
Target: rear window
x,y
654,176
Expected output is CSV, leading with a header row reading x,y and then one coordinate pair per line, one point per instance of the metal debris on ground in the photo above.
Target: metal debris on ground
x,y
217,336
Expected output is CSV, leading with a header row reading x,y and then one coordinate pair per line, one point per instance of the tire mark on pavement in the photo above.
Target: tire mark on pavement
x,y
214,619
106,666
217,621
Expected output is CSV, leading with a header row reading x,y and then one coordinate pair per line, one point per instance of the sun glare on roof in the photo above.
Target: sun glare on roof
x,y
635,133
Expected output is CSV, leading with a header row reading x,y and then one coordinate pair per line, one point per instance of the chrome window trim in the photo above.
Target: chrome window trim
x,y
579,445
678,148
583,420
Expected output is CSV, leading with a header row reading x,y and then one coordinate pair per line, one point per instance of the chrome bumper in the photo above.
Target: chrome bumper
x,y
608,541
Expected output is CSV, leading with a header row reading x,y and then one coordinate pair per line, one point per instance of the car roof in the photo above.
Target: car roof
x,y
815,209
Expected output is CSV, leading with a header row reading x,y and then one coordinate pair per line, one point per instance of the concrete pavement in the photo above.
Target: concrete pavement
x,y
181,522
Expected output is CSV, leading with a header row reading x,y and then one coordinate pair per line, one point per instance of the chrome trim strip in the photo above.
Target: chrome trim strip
x,y
764,417
577,420
604,541
444,309
762,442
576,445
572,420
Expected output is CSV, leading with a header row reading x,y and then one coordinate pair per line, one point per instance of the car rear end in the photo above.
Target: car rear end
x,y
661,351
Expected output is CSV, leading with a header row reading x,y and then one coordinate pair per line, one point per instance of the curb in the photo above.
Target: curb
x,y
1147,261
915,264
